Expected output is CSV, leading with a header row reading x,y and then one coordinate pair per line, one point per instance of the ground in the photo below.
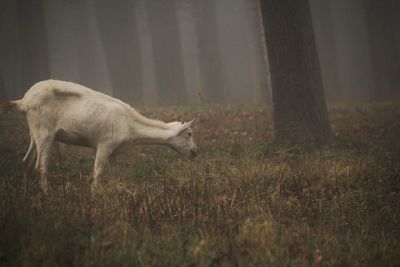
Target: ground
x,y
244,201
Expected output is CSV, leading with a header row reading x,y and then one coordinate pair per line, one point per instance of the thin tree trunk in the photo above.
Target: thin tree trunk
x,y
186,15
300,110
384,54
62,39
264,74
3,92
32,43
211,75
326,47
168,64
93,69
119,34
9,48
353,51
395,18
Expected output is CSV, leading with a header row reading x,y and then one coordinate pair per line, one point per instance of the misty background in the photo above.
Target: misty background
x,y
177,52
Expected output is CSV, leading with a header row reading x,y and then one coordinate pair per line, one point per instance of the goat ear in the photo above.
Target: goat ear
x,y
185,126
190,123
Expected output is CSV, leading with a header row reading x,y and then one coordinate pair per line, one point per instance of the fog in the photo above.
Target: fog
x,y
182,52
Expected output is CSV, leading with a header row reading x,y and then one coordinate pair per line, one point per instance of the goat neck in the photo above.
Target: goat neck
x,y
158,133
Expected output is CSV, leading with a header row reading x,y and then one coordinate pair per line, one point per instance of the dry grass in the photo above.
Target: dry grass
x,y
244,202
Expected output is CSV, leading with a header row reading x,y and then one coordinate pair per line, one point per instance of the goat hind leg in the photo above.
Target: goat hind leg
x,y
29,160
29,164
43,156
30,150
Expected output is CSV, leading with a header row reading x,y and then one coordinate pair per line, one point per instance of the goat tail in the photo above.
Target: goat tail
x,y
6,106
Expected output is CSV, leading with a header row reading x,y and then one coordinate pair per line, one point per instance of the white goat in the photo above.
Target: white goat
x,y
73,114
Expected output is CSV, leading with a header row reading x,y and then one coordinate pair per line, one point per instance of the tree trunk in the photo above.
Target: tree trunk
x,y
352,50
264,73
3,93
326,46
119,34
384,53
34,62
395,18
211,75
164,30
9,48
92,65
187,26
300,111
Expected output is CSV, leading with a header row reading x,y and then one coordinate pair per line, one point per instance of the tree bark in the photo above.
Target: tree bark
x,y
300,111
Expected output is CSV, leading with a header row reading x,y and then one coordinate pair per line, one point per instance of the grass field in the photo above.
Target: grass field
x,y
243,202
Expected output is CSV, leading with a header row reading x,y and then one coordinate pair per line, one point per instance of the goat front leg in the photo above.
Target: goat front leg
x,y
102,154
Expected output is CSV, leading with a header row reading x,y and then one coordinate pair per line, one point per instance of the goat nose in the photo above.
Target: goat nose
x,y
193,153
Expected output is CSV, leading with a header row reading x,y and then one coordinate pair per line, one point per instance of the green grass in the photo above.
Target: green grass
x,y
244,202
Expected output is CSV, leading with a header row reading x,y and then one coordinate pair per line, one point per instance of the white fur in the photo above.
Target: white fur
x,y
74,114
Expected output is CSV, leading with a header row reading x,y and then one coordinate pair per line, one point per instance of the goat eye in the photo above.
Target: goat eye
x,y
190,134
